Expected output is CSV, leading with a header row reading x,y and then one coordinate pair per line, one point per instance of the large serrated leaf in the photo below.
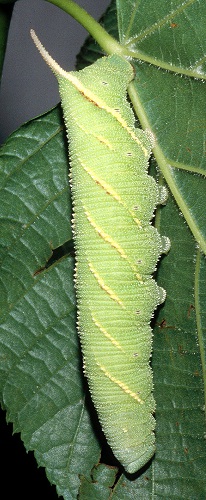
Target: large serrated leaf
x,y
41,375
171,33
167,104
170,106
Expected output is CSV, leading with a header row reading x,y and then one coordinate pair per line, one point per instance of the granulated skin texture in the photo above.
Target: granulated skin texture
x,y
117,250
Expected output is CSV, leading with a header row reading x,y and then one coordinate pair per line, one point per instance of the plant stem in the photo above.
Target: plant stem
x,y
112,46
107,42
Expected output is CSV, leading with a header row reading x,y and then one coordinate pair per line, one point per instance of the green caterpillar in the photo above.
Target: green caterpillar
x,y
117,249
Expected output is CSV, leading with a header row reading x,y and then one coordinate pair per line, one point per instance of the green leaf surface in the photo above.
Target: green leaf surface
x,y
200,301
172,111
179,391
41,376
171,34
100,484
169,104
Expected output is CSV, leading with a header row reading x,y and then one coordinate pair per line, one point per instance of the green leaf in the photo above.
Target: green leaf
x,y
172,35
200,300
179,139
172,38
41,375
100,484
181,452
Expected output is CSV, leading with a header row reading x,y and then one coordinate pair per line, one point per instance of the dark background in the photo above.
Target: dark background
x,y
28,89
28,86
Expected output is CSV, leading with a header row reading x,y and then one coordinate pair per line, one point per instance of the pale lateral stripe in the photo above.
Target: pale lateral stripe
x,y
109,190
108,239
120,384
107,289
107,334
